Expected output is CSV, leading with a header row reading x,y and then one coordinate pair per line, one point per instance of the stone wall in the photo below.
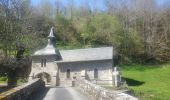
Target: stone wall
x,y
22,92
96,92
104,68
49,67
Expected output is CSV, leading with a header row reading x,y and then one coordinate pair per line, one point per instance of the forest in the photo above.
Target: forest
x,y
138,29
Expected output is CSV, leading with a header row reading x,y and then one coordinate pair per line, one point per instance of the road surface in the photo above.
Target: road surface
x,y
59,93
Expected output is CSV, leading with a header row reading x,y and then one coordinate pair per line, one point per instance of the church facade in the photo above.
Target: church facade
x,y
61,67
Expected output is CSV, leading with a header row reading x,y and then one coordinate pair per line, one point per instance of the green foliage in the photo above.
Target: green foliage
x,y
3,78
21,81
131,46
66,33
154,78
107,30
98,30
69,46
139,37
106,27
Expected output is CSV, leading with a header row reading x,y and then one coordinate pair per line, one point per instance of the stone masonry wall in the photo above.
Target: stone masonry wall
x,y
24,91
49,67
96,92
104,68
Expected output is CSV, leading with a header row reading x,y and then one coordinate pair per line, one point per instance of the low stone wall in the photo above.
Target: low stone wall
x,y
102,82
22,92
96,92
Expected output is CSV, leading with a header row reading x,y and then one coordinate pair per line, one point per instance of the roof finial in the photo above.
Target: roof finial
x,y
51,33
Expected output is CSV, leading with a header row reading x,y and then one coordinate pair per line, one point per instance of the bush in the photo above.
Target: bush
x,y
22,80
4,78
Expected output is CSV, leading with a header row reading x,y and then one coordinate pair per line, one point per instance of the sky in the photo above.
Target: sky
x,y
99,4
161,2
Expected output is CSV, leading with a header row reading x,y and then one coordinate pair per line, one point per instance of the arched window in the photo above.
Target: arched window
x,y
68,73
95,73
43,62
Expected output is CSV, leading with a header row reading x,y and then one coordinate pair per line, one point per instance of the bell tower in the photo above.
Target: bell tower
x,y
51,38
43,62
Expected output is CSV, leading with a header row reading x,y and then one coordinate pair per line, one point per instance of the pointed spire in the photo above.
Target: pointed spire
x,y
51,38
51,33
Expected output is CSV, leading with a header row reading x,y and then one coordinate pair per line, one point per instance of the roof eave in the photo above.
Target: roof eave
x,y
82,60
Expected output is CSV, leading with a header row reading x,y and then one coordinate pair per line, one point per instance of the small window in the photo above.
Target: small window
x,y
44,62
41,62
68,73
95,73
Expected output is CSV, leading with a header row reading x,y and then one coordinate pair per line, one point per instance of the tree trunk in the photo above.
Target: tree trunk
x,y
12,78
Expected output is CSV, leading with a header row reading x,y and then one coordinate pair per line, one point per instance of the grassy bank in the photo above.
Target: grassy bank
x,y
149,82
3,80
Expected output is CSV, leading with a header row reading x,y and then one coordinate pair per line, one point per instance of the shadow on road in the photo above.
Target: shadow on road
x,y
58,93
39,95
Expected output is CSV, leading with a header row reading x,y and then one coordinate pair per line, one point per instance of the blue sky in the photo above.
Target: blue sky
x,y
161,2
99,4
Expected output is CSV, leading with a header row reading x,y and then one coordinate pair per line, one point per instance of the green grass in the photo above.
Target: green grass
x,y
149,82
3,80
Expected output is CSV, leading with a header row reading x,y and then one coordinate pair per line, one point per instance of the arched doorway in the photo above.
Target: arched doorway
x,y
44,76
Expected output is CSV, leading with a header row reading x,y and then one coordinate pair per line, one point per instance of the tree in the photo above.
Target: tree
x,y
13,15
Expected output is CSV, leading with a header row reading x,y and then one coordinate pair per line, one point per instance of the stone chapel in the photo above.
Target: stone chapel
x,y
58,67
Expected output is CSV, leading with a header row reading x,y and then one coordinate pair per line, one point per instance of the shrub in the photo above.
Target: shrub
x,y
4,78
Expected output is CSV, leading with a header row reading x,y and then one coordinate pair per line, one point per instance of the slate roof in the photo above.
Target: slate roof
x,y
49,49
87,54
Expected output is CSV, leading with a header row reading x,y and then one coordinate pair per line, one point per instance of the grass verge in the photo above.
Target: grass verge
x,y
149,82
